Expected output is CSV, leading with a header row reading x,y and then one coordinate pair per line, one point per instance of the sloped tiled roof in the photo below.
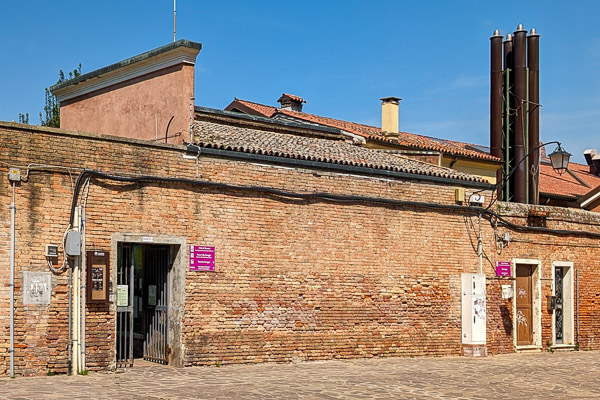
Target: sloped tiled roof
x,y
233,138
374,133
293,97
265,111
566,185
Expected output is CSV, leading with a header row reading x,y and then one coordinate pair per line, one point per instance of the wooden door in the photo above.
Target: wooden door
x,y
524,298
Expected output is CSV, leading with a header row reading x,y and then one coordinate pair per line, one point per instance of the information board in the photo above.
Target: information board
x,y
202,258
502,268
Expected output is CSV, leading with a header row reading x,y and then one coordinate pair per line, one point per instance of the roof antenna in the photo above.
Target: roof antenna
x,y
174,14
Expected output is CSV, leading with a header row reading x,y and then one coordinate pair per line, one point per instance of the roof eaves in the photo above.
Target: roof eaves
x,y
559,196
439,149
131,60
325,163
590,197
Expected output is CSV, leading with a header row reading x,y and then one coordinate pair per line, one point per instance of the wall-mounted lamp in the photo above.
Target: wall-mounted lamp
x,y
559,159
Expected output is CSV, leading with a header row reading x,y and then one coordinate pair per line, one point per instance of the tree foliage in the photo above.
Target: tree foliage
x,y
51,116
24,118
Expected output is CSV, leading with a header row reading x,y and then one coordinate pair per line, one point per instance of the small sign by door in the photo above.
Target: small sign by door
x,y
202,258
502,268
507,291
152,295
122,295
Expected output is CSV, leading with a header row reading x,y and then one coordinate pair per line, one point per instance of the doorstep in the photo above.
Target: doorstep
x,y
563,347
528,349
474,350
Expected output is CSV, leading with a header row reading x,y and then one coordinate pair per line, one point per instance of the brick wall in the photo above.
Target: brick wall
x,y
295,280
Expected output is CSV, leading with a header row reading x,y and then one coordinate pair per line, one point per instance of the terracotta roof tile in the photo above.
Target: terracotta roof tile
x,y
220,136
293,97
553,183
264,110
374,133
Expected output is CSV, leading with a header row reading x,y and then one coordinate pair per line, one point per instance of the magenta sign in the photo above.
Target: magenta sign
x,y
502,268
202,258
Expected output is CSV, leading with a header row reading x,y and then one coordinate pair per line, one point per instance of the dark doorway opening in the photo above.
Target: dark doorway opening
x,y
142,319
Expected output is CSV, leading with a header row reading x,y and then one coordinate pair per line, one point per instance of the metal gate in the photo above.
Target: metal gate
x,y
125,268
558,311
156,268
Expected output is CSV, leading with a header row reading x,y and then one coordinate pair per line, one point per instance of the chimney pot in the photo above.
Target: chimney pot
x,y
390,107
591,158
596,161
291,102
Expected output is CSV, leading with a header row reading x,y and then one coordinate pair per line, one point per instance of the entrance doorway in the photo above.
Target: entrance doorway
x,y
559,326
563,321
142,303
524,300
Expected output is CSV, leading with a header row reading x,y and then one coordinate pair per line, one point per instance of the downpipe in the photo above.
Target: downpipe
x,y
83,294
70,344
75,305
12,283
76,343
479,249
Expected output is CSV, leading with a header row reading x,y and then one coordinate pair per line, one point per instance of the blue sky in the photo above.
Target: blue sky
x,y
341,56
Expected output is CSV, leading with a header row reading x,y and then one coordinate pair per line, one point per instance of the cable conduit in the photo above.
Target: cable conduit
x,y
315,196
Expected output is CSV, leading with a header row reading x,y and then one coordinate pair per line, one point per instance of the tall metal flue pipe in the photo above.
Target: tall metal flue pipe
x,y
520,140
533,62
496,101
507,145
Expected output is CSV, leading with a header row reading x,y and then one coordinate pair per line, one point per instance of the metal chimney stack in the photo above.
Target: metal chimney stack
x,y
520,93
533,63
496,99
514,113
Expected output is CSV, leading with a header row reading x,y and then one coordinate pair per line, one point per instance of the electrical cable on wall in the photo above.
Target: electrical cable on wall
x,y
65,256
313,196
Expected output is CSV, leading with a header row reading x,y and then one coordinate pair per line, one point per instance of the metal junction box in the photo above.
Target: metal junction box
x,y
73,244
473,309
14,174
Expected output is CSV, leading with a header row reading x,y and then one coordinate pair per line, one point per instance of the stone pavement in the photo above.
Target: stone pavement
x,y
573,375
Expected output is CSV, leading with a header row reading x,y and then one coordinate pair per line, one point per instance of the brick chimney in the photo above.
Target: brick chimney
x,y
592,158
291,102
149,96
390,107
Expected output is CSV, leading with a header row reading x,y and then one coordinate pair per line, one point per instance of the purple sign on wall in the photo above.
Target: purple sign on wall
x,y
502,268
202,258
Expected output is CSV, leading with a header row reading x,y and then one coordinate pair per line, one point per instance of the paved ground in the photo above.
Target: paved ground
x,y
574,375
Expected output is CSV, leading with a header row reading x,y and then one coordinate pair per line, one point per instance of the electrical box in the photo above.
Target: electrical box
x,y
14,174
473,309
98,276
51,251
459,195
73,244
478,199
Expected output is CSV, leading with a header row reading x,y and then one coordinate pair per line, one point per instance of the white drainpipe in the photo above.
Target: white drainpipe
x,y
12,283
479,249
83,291
76,296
